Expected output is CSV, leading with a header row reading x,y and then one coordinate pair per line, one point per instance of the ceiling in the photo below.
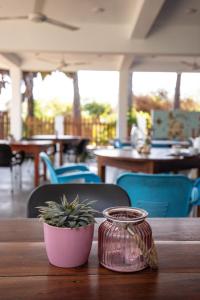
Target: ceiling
x,y
143,35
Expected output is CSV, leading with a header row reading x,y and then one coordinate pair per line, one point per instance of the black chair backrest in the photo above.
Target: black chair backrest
x,y
106,195
5,155
81,146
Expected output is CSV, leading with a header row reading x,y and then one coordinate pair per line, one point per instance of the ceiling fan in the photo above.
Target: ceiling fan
x,y
193,65
61,64
36,16
41,18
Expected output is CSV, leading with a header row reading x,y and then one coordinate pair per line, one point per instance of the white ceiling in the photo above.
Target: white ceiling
x,y
144,35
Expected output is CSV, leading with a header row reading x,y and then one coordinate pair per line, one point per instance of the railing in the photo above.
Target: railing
x,y
34,126
97,131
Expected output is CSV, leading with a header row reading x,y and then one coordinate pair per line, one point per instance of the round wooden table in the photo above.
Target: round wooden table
x,y
158,161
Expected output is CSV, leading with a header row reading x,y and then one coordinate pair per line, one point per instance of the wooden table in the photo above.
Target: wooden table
x,y
58,139
158,161
26,274
34,148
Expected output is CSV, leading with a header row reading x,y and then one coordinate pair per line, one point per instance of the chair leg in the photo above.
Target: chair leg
x,y
20,176
11,179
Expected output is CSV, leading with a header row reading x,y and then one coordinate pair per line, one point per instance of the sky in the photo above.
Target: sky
x,y
144,83
102,86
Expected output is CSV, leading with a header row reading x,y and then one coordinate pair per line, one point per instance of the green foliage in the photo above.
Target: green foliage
x,y
95,109
51,108
132,116
66,214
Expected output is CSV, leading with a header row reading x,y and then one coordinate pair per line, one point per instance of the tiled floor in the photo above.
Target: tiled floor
x,y
14,204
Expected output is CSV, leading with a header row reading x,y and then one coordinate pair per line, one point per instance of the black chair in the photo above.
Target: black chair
x,y
10,159
78,150
106,195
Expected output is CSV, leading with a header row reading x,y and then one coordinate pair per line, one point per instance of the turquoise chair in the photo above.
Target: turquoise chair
x,y
162,195
197,185
70,173
118,144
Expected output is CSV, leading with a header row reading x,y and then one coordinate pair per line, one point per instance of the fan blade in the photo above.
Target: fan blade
x,y
193,66
46,60
14,18
38,6
61,24
80,63
187,63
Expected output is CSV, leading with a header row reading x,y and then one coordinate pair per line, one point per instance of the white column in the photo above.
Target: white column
x,y
123,104
15,108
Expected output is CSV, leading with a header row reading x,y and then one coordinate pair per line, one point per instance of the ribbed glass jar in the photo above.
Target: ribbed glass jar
x,y
125,242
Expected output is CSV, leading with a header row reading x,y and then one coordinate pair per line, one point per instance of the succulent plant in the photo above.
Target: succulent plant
x,y
68,214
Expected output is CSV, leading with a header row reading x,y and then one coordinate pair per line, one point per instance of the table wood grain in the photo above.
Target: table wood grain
x,y
172,229
25,272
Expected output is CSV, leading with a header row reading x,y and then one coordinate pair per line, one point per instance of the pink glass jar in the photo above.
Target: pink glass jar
x,y
125,240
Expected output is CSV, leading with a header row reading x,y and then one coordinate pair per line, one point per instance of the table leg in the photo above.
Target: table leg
x,y
198,211
101,170
44,171
36,169
60,153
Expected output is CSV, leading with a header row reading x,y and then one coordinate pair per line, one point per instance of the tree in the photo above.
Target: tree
x,y
95,109
76,103
177,92
28,94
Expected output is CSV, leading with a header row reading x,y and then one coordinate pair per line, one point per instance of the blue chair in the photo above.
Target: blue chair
x,y
118,144
66,174
197,185
162,195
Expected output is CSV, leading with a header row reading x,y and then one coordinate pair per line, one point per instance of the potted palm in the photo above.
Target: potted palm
x,y
68,231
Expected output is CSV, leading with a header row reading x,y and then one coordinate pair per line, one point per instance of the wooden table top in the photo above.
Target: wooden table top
x,y
53,137
157,154
26,274
26,143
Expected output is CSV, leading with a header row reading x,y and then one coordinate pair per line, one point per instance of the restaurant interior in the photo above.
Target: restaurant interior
x,y
88,209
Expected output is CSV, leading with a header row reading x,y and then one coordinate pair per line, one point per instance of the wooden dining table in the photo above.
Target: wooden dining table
x,y
158,161
60,139
34,148
25,272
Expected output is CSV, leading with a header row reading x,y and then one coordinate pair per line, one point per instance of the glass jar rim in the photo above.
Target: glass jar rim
x,y
142,214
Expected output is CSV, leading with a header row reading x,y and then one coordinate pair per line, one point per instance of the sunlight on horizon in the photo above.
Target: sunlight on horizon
x,y
103,86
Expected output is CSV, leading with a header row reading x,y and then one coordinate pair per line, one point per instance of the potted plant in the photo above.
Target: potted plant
x,y
68,231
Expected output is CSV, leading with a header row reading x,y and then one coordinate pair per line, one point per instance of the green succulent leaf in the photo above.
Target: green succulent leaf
x,y
72,214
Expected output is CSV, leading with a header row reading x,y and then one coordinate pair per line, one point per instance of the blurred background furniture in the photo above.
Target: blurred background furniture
x,y
105,195
10,159
78,151
118,144
64,142
34,148
68,173
162,195
158,161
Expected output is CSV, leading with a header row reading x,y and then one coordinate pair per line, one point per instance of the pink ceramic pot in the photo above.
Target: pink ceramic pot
x,y
68,247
